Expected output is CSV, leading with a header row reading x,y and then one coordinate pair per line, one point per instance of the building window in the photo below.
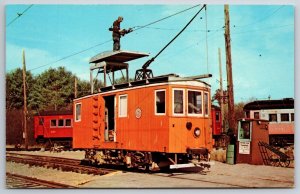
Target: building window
x,y
244,132
206,104
292,116
78,112
194,102
41,121
123,106
160,102
256,115
68,123
273,117
217,116
53,123
60,122
285,117
178,102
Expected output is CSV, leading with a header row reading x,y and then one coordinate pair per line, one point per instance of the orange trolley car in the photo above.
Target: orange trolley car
x,y
153,123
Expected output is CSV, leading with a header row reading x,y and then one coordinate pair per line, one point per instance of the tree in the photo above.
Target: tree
x,y
53,89
14,88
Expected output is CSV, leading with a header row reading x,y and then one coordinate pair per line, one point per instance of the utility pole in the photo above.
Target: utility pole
x,y
75,86
221,92
231,114
25,132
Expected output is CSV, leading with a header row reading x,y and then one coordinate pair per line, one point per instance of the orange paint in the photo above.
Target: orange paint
x,y
140,128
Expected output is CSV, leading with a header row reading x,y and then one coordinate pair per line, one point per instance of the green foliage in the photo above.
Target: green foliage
x,y
14,88
53,90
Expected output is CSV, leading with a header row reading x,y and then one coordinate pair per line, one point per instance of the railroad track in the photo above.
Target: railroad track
x,y
63,164
20,181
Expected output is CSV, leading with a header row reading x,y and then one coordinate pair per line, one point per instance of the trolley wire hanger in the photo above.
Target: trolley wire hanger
x,y
146,73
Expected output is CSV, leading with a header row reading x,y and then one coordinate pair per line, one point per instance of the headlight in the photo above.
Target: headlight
x,y
197,132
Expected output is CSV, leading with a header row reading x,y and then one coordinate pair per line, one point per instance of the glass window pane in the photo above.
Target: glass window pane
x,y
273,117
285,117
41,121
178,102
256,115
68,123
78,112
217,116
206,103
53,123
292,116
123,106
60,122
194,102
160,102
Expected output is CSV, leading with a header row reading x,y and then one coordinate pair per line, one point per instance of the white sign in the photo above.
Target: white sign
x,y
244,147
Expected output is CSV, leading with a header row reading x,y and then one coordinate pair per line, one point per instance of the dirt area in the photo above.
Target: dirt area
x,y
220,175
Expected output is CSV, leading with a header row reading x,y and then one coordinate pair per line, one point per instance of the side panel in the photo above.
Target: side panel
x,y
87,127
141,129
49,131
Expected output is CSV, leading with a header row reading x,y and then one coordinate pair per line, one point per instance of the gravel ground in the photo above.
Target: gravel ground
x,y
220,175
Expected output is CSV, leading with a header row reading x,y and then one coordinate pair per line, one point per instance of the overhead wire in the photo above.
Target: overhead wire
x,y
19,15
135,28
99,44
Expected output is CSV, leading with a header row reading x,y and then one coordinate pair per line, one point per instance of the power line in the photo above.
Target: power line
x,y
137,28
140,27
71,55
19,15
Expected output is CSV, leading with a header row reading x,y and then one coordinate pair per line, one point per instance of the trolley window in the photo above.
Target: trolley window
x,y
256,115
60,122
273,117
160,102
206,104
123,106
78,112
194,102
53,123
292,116
285,117
68,123
217,116
41,121
178,102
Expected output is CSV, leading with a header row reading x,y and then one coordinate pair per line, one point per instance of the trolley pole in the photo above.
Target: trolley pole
x,y
231,114
221,92
25,132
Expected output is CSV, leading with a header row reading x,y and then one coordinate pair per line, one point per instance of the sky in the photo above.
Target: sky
x,y
262,42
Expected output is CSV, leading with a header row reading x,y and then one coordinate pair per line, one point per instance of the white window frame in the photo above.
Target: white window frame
x,y
55,122
202,97
119,107
183,96
208,104
78,120
66,123
155,110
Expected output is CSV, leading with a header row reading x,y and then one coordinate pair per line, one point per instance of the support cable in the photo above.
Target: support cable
x,y
153,58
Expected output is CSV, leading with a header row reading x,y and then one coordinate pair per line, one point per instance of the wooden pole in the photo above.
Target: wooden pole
x,y
75,88
25,132
231,114
221,92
